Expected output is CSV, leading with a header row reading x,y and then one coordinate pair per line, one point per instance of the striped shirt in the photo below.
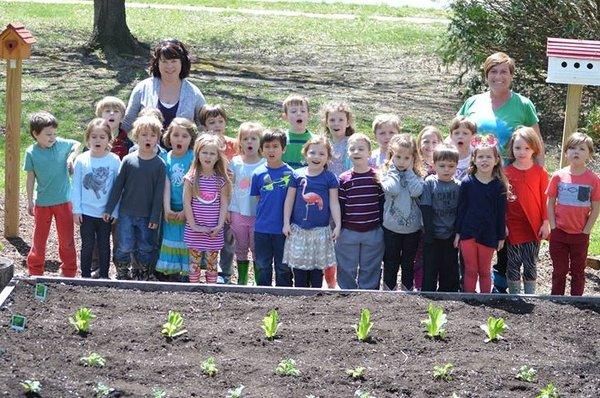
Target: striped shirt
x,y
206,208
361,201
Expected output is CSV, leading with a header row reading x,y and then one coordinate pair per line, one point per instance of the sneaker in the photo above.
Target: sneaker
x,y
223,280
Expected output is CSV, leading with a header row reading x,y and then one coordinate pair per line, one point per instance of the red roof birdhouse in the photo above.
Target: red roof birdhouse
x,y
15,42
573,61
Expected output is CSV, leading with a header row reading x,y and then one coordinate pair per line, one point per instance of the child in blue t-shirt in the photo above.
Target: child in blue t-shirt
x,y
270,185
311,200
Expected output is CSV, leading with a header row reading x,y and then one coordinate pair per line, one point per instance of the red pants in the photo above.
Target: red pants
x,y
565,247
478,263
63,213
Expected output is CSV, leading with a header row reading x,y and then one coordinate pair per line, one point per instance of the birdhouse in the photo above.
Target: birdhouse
x,y
15,42
573,61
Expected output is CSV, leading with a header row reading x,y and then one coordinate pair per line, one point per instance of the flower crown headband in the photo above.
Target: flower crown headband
x,y
484,140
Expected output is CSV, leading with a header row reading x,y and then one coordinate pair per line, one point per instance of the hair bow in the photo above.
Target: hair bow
x,y
484,140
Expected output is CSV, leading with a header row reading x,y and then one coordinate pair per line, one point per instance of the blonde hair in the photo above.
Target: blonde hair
x,y
386,118
360,137
406,141
497,59
249,128
425,130
577,139
110,102
318,140
184,123
98,124
146,122
462,121
220,167
497,171
332,107
294,100
527,134
153,112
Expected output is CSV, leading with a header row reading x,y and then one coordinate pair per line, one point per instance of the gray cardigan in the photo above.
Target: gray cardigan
x,y
401,212
145,95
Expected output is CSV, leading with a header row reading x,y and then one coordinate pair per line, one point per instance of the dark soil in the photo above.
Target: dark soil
x,y
559,340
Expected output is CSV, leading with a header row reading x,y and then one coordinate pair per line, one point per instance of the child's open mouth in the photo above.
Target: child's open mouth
x,y
97,146
147,145
250,148
299,121
111,120
179,146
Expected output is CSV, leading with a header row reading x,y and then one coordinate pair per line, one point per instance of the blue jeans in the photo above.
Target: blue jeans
x,y
94,231
269,252
134,236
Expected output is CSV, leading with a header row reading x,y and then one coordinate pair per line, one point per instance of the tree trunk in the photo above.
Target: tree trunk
x,y
110,28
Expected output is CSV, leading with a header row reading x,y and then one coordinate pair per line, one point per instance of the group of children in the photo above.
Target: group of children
x,y
306,206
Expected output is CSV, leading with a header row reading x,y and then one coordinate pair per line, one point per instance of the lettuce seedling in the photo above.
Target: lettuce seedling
x,y
81,320
31,386
158,393
208,367
364,325
435,322
287,367
356,373
363,394
270,324
526,373
443,372
493,328
236,392
102,390
93,360
172,328
549,391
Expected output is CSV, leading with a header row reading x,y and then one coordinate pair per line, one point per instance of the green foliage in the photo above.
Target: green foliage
x,y
356,373
31,386
94,360
443,372
493,328
209,367
549,391
172,328
158,393
235,392
526,373
435,322
270,324
363,394
364,325
102,390
592,122
81,320
287,367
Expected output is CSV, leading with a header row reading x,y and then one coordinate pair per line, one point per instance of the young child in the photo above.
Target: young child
x,y
462,131
213,118
112,109
526,211
359,247
269,186
295,112
439,202
429,137
47,163
205,198
402,186
138,190
385,126
242,209
94,174
480,219
161,149
338,123
312,199
573,207
173,260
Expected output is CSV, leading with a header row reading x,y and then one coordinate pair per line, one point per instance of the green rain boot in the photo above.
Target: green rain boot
x,y
123,272
514,287
242,267
529,287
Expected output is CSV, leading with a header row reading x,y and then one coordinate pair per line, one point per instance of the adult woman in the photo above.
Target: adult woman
x,y
168,89
500,111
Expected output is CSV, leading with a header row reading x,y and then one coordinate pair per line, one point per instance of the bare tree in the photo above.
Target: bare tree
x,y
111,32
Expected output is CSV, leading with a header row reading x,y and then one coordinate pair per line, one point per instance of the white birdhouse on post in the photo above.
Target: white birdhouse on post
x,y
576,63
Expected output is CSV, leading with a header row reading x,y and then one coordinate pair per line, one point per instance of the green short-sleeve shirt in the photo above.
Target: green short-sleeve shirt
x,y
293,151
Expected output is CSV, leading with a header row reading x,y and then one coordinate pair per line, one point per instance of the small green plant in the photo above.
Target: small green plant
x,y
94,360
493,328
435,322
364,325
172,328
208,367
356,373
443,372
81,320
235,392
102,390
549,391
270,324
31,386
363,394
526,373
287,367
158,393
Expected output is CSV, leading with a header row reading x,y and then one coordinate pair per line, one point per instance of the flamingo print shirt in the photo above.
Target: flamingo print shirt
x,y
311,206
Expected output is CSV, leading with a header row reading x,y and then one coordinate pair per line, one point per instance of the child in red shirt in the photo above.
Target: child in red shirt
x,y
573,207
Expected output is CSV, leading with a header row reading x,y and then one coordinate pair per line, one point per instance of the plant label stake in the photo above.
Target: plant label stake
x,y
576,63
17,322
15,46
41,291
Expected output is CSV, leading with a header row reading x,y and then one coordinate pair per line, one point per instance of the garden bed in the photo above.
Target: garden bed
x,y
558,339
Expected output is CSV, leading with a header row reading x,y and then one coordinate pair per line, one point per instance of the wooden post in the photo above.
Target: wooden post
x,y
12,150
574,92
